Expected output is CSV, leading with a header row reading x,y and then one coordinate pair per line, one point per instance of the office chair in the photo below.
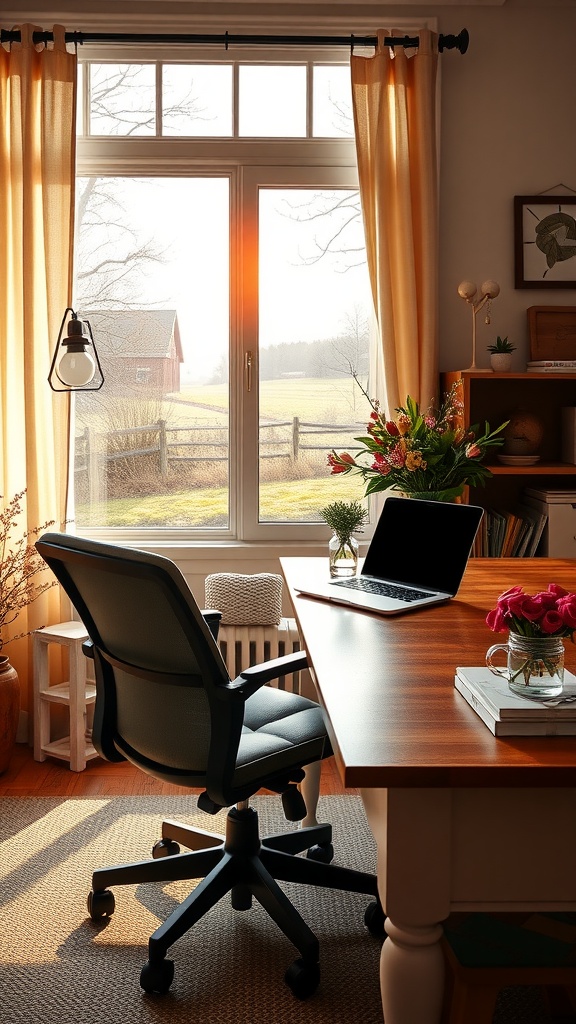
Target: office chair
x,y
165,702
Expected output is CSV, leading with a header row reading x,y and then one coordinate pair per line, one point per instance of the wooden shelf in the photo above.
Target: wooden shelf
x,y
539,469
61,748
496,397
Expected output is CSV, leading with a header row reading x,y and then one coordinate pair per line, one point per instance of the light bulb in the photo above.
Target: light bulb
x,y
467,290
76,369
491,289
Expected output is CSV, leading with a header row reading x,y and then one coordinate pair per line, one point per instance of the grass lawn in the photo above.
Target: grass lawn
x,y
336,400
281,501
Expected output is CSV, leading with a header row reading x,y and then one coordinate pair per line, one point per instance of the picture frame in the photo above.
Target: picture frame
x,y
545,241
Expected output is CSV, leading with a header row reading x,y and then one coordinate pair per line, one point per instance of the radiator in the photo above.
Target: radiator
x,y
243,646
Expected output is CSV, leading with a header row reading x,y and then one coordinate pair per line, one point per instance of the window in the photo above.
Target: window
x,y
220,261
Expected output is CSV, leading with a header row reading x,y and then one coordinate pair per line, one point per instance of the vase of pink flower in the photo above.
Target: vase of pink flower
x,y
538,624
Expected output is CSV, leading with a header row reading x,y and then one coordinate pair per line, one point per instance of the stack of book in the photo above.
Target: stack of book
x,y
507,714
552,366
507,534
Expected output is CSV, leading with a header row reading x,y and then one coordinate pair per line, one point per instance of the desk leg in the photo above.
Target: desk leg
x,y
412,974
412,832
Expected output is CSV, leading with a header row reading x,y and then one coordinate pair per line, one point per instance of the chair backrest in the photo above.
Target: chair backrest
x,y
159,673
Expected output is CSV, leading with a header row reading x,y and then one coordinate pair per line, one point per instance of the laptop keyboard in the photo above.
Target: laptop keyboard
x,y
382,589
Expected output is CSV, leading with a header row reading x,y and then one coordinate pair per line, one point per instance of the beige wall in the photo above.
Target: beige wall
x,y
507,128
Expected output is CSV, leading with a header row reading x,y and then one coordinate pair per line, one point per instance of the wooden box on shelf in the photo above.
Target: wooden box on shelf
x,y
495,397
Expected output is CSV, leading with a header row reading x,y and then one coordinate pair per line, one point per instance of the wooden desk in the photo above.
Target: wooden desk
x,y
462,820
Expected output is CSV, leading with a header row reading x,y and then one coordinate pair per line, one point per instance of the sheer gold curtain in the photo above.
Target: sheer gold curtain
x,y
37,167
394,103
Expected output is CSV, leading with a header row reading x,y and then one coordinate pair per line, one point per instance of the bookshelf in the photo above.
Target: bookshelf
x,y
495,397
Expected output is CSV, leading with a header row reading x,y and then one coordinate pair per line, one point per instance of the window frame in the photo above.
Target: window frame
x,y
249,164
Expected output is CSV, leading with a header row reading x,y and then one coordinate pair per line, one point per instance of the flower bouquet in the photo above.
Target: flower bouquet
x,y
425,455
551,612
537,625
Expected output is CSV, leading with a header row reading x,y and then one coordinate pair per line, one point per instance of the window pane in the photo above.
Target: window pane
x,y
197,99
151,447
122,99
313,324
332,102
272,101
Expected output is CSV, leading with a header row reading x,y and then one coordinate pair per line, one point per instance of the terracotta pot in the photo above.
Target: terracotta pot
x,y
9,710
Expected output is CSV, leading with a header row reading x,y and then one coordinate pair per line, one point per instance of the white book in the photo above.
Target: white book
x,y
551,369
507,714
552,363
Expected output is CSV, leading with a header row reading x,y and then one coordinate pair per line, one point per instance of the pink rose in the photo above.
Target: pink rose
x,y
496,621
557,591
566,608
524,607
545,599
551,623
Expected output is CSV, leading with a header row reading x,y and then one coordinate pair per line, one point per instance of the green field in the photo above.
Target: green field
x,y
207,507
318,399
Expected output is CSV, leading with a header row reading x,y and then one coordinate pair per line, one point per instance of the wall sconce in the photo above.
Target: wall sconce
x,y
73,364
489,290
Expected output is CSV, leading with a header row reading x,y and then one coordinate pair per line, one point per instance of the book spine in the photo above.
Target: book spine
x,y
471,699
552,362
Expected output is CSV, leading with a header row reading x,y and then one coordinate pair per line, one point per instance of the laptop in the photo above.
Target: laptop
x,y
416,557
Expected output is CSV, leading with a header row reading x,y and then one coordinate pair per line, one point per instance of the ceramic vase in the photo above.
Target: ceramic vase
x,y
9,710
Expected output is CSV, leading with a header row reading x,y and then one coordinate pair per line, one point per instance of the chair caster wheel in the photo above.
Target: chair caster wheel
x,y
374,918
100,904
157,978
322,852
302,978
165,848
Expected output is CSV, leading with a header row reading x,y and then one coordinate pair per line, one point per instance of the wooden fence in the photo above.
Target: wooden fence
x,y
93,454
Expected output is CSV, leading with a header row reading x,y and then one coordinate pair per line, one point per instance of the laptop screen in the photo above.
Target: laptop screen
x,y
423,543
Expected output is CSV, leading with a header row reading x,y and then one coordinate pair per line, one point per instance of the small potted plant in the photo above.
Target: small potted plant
x,y
344,518
501,355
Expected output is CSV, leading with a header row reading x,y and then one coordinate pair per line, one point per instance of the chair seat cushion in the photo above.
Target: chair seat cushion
x,y
284,727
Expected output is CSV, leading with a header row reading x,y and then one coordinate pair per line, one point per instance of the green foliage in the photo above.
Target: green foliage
x,y
502,345
345,518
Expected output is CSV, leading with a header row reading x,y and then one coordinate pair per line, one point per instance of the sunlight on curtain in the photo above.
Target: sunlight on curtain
x,y
394,102
37,167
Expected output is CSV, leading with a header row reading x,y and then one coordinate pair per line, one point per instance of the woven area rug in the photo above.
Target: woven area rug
x,y
57,967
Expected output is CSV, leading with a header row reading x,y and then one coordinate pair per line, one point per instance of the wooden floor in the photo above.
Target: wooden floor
x,y
27,777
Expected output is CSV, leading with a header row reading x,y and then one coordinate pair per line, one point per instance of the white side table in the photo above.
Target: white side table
x,y
76,694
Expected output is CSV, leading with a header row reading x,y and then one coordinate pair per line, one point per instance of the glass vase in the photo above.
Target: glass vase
x,y
343,554
534,665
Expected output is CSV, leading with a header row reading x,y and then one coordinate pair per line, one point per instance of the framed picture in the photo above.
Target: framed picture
x,y
545,241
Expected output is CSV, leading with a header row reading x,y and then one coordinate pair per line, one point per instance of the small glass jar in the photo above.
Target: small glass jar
x,y
343,554
534,665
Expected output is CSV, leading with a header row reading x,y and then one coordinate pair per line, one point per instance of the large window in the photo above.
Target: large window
x,y
220,262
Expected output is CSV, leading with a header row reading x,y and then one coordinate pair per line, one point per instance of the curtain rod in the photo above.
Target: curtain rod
x,y
226,39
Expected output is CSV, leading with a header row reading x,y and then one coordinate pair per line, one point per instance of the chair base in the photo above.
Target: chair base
x,y
244,865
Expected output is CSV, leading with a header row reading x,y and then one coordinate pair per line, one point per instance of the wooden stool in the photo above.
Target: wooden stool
x,y
76,694
485,953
